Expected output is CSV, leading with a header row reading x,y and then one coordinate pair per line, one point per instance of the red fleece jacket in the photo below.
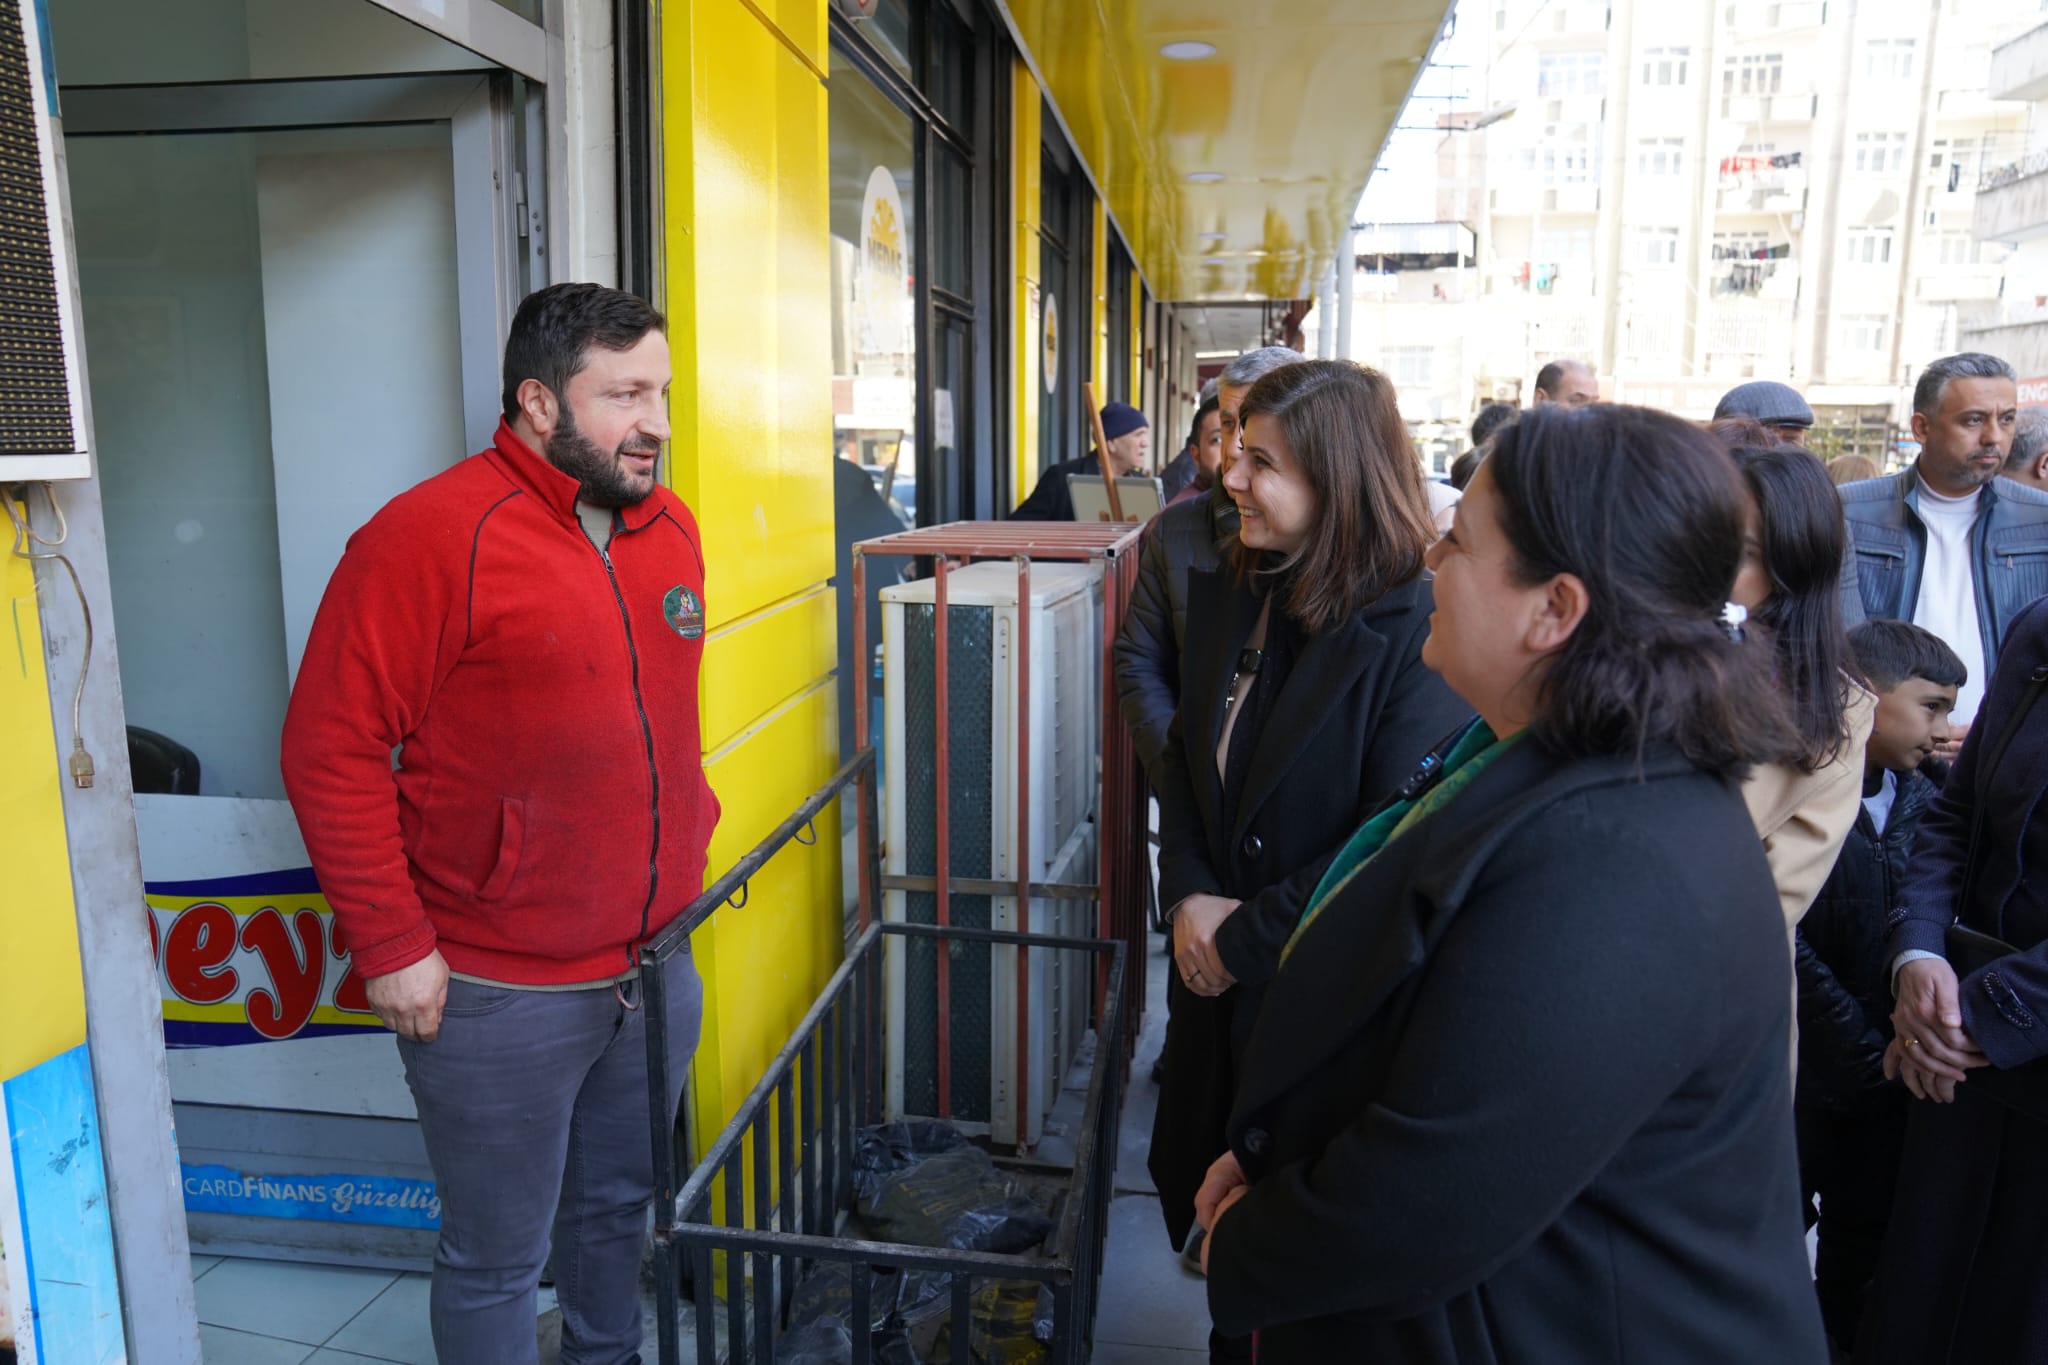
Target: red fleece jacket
x,y
549,809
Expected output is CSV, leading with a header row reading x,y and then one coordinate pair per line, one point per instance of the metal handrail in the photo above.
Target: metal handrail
x,y
2033,164
665,943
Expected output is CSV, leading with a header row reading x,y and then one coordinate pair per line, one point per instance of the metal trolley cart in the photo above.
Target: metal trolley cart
x,y
923,1004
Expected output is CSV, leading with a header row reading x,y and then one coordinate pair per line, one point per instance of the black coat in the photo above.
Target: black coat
x,y
1845,983
1520,1094
1052,500
1357,710
1187,537
1965,1271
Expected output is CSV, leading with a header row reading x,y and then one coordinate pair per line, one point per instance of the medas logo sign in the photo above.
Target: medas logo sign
x,y
884,265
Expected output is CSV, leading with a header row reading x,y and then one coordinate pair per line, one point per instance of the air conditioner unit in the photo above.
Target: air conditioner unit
x,y
42,392
1064,666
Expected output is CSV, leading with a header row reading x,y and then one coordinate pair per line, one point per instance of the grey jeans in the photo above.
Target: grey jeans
x,y
533,1105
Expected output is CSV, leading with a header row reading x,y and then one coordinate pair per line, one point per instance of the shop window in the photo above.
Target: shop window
x,y
1066,224
874,269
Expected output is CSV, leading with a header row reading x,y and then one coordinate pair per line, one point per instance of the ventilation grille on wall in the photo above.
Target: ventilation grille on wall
x,y
41,422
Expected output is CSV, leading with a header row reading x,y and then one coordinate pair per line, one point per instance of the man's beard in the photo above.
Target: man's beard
x,y
603,479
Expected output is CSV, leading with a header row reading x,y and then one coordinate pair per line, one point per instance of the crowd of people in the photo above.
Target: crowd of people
x,y
1589,875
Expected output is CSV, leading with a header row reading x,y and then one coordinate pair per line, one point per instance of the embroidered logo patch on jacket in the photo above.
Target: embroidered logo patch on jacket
x,y
684,611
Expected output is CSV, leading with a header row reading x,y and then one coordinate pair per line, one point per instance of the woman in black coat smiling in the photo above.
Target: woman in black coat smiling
x,y
1519,1089
1304,702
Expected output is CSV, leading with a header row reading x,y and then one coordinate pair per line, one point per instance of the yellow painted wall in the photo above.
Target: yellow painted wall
x,y
1136,314
1098,294
1028,307
42,1001
746,284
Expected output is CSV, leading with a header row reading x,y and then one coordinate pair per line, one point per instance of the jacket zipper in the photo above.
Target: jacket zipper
x,y
647,739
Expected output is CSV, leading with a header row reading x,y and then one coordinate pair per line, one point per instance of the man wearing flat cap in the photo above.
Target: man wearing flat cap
x,y
1130,441
1777,406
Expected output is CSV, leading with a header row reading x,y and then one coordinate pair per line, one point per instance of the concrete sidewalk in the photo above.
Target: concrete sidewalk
x,y
1154,1310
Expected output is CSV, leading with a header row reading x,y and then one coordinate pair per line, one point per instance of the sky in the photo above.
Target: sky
x,y
1403,188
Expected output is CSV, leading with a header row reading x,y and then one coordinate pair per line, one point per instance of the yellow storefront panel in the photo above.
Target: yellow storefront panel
x,y
747,287
1098,292
42,995
1029,315
765,961
760,661
747,284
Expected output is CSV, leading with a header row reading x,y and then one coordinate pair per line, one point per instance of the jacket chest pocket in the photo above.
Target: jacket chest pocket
x,y
1881,578
2019,574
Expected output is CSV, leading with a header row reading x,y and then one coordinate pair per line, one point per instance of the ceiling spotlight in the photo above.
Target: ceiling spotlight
x,y
1215,237
1187,51
1205,177
1254,254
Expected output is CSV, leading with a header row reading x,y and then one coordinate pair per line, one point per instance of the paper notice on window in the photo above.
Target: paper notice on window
x,y
942,419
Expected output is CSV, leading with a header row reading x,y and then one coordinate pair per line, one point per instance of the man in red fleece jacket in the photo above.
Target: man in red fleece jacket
x,y
525,631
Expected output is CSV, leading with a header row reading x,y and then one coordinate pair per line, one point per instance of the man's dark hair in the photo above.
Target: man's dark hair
x,y
1968,365
1802,539
1209,405
1890,652
1492,418
1646,510
555,328
1465,466
2029,439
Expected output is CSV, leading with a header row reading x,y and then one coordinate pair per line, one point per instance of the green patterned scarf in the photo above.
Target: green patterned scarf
x,y
1475,749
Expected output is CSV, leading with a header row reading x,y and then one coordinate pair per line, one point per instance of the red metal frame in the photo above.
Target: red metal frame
x,y
1120,803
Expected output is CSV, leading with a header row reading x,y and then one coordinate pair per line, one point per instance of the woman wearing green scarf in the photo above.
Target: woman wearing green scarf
x,y
1518,1092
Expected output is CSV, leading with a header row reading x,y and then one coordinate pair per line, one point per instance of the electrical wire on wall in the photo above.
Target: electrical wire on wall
x,y
25,542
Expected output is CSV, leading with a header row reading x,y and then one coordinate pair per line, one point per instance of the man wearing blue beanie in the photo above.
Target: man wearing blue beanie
x,y
1130,441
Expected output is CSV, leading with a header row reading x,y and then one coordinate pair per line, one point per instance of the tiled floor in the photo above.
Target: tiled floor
x,y
274,1313
1153,1311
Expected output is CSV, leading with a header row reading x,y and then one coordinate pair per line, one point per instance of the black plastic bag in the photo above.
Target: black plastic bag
x,y
923,1184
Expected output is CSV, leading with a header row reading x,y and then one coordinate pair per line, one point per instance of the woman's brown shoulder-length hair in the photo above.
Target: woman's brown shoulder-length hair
x,y
1372,524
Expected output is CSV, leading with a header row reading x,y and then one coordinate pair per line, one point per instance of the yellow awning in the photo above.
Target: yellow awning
x,y
1232,174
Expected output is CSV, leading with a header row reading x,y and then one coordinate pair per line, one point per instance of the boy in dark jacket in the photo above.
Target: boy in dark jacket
x,y
1851,1120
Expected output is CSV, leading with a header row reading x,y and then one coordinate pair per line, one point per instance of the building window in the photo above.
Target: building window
x,y
1565,246
1570,73
1880,153
1411,367
1660,155
1565,155
1870,246
1665,65
1657,246
1889,59
1864,332
1755,74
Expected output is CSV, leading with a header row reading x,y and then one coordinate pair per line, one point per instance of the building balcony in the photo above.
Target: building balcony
x,y
1959,284
1733,281
1786,106
2012,201
1783,194
1517,200
1759,16
2019,69
2020,342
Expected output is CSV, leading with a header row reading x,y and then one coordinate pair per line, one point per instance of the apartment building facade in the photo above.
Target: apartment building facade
x,y
1693,194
